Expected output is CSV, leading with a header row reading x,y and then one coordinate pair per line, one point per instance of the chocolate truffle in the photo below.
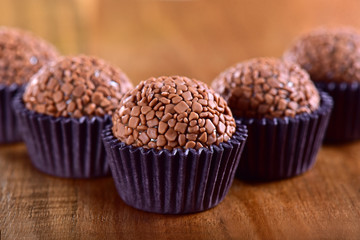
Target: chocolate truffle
x,y
22,55
174,146
332,58
75,87
329,55
63,112
267,87
173,112
285,115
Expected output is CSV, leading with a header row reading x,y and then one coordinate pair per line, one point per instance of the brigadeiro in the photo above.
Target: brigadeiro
x,y
332,58
174,146
64,109
285,114
21,55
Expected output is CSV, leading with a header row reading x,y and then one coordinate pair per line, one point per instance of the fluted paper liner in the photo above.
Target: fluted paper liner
x,y
174,182
9,132
344,124
280,148
64,147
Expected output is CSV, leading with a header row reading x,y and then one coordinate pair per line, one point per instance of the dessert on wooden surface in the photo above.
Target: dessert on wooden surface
x,y
285,114
174,146
21,55
64,108
332,58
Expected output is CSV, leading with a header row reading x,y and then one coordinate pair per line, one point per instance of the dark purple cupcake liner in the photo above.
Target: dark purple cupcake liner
x,y
280,148
174,182
64,147
344,124
9,131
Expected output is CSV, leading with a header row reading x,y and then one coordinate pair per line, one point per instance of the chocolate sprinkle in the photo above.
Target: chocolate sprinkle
x,y
267,87
175,112
22,55
329,55
75,87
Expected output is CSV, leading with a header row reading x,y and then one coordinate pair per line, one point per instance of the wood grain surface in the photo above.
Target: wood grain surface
x,y
197,39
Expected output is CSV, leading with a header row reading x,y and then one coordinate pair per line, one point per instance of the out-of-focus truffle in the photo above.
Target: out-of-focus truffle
x,y
329,55
22,55
173,112
75,87
267,87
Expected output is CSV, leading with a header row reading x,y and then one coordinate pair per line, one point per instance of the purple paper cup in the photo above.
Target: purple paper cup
x,y
344,124
174,182
281,148
64,147
9,131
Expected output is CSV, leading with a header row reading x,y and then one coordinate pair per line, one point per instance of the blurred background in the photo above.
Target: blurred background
x,y
195,38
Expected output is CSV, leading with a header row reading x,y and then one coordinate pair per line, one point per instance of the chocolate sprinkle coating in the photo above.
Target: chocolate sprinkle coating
x,y
267,87
22,55
329,55
75,87
173,112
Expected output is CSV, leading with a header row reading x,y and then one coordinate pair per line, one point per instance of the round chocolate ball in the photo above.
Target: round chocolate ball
x,y
173,112
75,87
267,87
329,55
22,55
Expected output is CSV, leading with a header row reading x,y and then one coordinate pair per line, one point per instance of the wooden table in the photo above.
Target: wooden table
x,y
197,39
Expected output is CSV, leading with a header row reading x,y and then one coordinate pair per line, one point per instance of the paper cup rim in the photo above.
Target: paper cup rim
x,y
19,106
239,136
326,105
